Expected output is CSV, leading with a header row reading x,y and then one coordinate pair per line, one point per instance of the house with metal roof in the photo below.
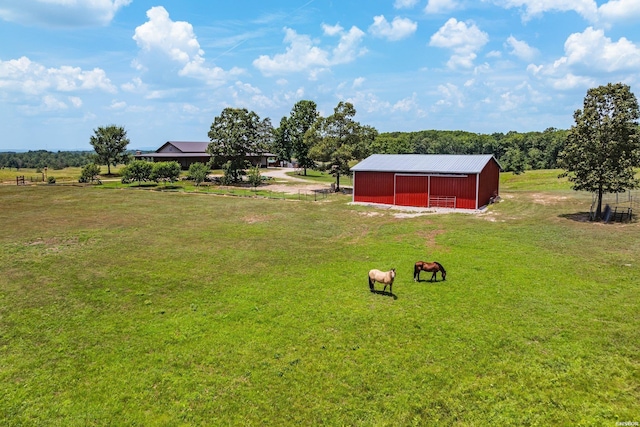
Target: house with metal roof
x,y
427,180
188,152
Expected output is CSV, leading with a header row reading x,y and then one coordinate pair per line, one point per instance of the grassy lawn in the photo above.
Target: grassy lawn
x,y
170,308
317,176
70,174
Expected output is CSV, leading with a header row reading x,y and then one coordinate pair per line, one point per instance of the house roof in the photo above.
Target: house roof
x,y
188,149
186,146
425,163
174,155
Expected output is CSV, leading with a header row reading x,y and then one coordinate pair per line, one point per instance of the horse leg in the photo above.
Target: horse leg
x,y
433,277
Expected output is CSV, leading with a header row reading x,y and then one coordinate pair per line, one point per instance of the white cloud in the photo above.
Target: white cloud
x,y
61,13
366,102
588,9
464,39
302,54
440,6
571,81
118,105
405,4
176,41
32,78
620,10
607,13
245,93
588,54
407,104
134,86
349,46
399,28
75,101
594,50
358,82
332,30
451,96
521,49
51,103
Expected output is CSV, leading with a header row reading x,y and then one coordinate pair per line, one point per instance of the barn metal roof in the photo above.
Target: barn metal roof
x,y
424,163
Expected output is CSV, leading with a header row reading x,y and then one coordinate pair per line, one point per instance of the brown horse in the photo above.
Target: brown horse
x,y
432,267
385,277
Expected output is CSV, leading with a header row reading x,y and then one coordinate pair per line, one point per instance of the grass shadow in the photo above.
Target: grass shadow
x,y
385,293
585,217
429,280
576,216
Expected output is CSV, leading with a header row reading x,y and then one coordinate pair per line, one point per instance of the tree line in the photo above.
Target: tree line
x,y
40,159
333,142
516,152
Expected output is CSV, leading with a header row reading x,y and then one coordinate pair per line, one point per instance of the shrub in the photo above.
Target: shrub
x,y
165,171
137,170
198,173
255,179
90,173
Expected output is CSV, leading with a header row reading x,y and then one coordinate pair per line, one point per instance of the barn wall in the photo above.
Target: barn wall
x,y
463,188
373,187
489,183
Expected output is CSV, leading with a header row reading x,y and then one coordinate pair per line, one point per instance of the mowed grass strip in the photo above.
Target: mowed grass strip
x,y
155,308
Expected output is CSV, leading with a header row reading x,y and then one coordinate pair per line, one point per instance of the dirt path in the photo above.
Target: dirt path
x,y
295,186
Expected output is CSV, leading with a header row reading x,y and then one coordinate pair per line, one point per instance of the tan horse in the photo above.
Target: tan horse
x,y
385,277
431,267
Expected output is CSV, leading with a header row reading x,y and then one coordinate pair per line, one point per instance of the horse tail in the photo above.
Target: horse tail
x,y
371,282
415,270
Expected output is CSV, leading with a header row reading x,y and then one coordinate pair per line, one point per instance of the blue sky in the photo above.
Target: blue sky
x,y
165,69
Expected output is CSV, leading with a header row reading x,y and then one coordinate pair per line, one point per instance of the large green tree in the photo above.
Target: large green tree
x,y
603,146
110,143
282,146
289,139
303,116
338,140
235,134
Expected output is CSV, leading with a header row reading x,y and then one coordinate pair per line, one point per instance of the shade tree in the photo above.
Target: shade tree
x,y
235,135
339,140
110,144
603,146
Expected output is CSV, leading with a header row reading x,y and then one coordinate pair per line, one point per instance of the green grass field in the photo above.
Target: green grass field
x,y
316,176
152,308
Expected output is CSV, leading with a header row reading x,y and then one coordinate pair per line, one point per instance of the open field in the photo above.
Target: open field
x,y
151,308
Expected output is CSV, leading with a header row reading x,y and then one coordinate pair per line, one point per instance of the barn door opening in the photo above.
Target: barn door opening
x,y
412,190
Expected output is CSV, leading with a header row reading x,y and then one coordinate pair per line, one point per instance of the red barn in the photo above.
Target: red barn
x,y
427,180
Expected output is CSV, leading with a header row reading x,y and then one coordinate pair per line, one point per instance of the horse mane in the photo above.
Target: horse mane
x,y
440,265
